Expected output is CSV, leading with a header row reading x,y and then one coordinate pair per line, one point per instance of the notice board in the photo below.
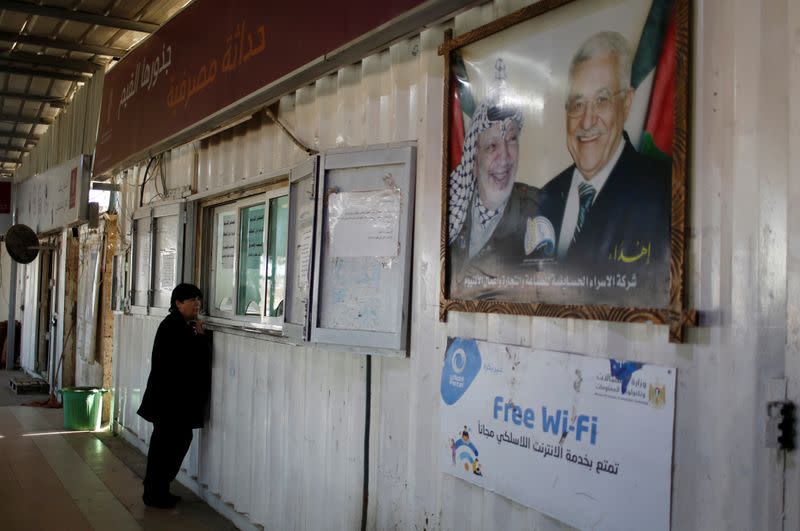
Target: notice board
x,y
363,247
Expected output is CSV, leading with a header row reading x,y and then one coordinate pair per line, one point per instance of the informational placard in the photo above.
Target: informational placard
x,y
364,223
304,245
585,440
255,237
167,270
57,198
363,247
228,252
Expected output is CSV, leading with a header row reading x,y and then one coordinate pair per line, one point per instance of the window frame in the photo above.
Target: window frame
x,y
152,213
206,243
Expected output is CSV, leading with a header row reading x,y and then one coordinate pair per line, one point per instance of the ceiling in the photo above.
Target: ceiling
x,y
48,49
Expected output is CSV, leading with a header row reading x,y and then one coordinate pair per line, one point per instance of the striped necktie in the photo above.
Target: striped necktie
x,y
586,193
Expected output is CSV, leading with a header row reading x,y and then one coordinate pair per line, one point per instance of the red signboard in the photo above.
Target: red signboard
x,y
213,54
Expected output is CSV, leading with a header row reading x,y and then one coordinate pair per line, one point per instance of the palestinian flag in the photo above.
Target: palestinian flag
x,y
461,102
654,72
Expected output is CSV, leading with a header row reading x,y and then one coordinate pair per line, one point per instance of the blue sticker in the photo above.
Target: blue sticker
x,y
461,366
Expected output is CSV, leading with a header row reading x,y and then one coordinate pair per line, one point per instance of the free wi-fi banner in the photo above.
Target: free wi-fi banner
x,y
585,440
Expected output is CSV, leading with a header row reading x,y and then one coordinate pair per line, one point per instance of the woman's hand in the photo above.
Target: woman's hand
x,y
200,327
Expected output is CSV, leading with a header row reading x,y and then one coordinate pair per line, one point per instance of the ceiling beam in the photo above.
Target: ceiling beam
x,y
42,72
65,63
79,16
97,49
15,148
25,119
17,134
41,98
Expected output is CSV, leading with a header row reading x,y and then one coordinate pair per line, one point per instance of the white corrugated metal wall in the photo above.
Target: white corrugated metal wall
x,y
74,131
284,444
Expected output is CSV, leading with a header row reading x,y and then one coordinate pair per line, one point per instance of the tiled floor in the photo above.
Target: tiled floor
x,y
52,479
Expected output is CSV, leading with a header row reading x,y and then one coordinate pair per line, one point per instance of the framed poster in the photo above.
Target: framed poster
x,y
564,178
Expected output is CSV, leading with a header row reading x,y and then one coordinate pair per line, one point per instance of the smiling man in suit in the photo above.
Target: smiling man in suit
x,y
611,209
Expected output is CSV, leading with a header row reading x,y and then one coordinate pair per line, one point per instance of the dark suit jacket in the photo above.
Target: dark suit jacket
x,y
631,213
179,384
505,249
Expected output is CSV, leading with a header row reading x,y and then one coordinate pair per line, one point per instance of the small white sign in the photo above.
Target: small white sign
x,y
585,440
364,223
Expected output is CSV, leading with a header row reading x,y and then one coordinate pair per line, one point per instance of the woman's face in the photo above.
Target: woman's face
x,y
189,308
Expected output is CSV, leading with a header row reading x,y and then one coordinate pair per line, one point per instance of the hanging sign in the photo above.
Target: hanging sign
x,y
210,56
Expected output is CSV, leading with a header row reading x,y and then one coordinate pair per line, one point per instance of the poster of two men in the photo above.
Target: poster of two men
x,y
560,172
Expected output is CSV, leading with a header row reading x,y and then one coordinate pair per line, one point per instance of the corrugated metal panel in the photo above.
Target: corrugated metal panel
x,y
284,443
300,413
73,132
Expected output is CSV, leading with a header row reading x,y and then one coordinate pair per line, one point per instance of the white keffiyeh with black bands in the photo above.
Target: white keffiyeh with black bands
x,y
461,183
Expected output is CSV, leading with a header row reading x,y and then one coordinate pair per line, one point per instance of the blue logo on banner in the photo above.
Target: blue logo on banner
x,y
461,366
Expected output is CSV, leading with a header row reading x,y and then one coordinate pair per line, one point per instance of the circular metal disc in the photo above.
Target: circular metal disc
x,y
22,244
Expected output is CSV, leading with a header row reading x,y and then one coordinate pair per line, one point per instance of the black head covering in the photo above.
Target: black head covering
x,y
183,292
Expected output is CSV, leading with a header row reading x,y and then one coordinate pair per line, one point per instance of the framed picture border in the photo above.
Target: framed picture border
x,y
677,316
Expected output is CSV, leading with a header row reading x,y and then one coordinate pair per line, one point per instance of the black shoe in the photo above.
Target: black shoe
x,y
165,502
173,497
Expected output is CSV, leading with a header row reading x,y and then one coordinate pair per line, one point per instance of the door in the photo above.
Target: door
x,y
48,315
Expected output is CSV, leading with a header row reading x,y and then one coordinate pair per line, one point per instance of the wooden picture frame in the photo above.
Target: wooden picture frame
x,y
566,25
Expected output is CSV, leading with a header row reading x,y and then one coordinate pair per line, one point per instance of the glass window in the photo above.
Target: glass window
x,y
142,261
251,260
158,235
247,266
277,248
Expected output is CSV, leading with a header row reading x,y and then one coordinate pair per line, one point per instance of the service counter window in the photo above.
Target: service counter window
x,y
245,262
158,235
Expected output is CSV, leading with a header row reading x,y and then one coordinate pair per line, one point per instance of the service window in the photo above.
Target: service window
x,y
158,234
246,263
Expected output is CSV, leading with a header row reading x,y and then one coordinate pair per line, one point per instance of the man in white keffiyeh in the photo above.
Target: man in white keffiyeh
x,y
488,211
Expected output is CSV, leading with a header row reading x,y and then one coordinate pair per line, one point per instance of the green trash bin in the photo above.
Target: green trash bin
x,y
83,407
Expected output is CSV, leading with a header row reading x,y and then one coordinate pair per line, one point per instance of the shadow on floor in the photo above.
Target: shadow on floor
x,y
10,398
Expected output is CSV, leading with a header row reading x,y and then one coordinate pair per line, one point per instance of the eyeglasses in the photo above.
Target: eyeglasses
x,y
600,103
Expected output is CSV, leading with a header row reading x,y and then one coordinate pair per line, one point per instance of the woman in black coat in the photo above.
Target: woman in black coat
x,y
178,388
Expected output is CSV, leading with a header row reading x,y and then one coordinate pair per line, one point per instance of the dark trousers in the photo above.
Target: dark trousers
x,y
168,447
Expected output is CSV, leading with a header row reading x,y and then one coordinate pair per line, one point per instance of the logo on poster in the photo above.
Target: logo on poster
x,y
461,365
458,362
657,395
620,383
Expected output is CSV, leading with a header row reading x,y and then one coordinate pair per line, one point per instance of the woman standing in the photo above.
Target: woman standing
x,y
178,388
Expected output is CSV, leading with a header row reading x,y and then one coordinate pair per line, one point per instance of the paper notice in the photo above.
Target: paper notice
x,y
167,273
303,254
364,223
